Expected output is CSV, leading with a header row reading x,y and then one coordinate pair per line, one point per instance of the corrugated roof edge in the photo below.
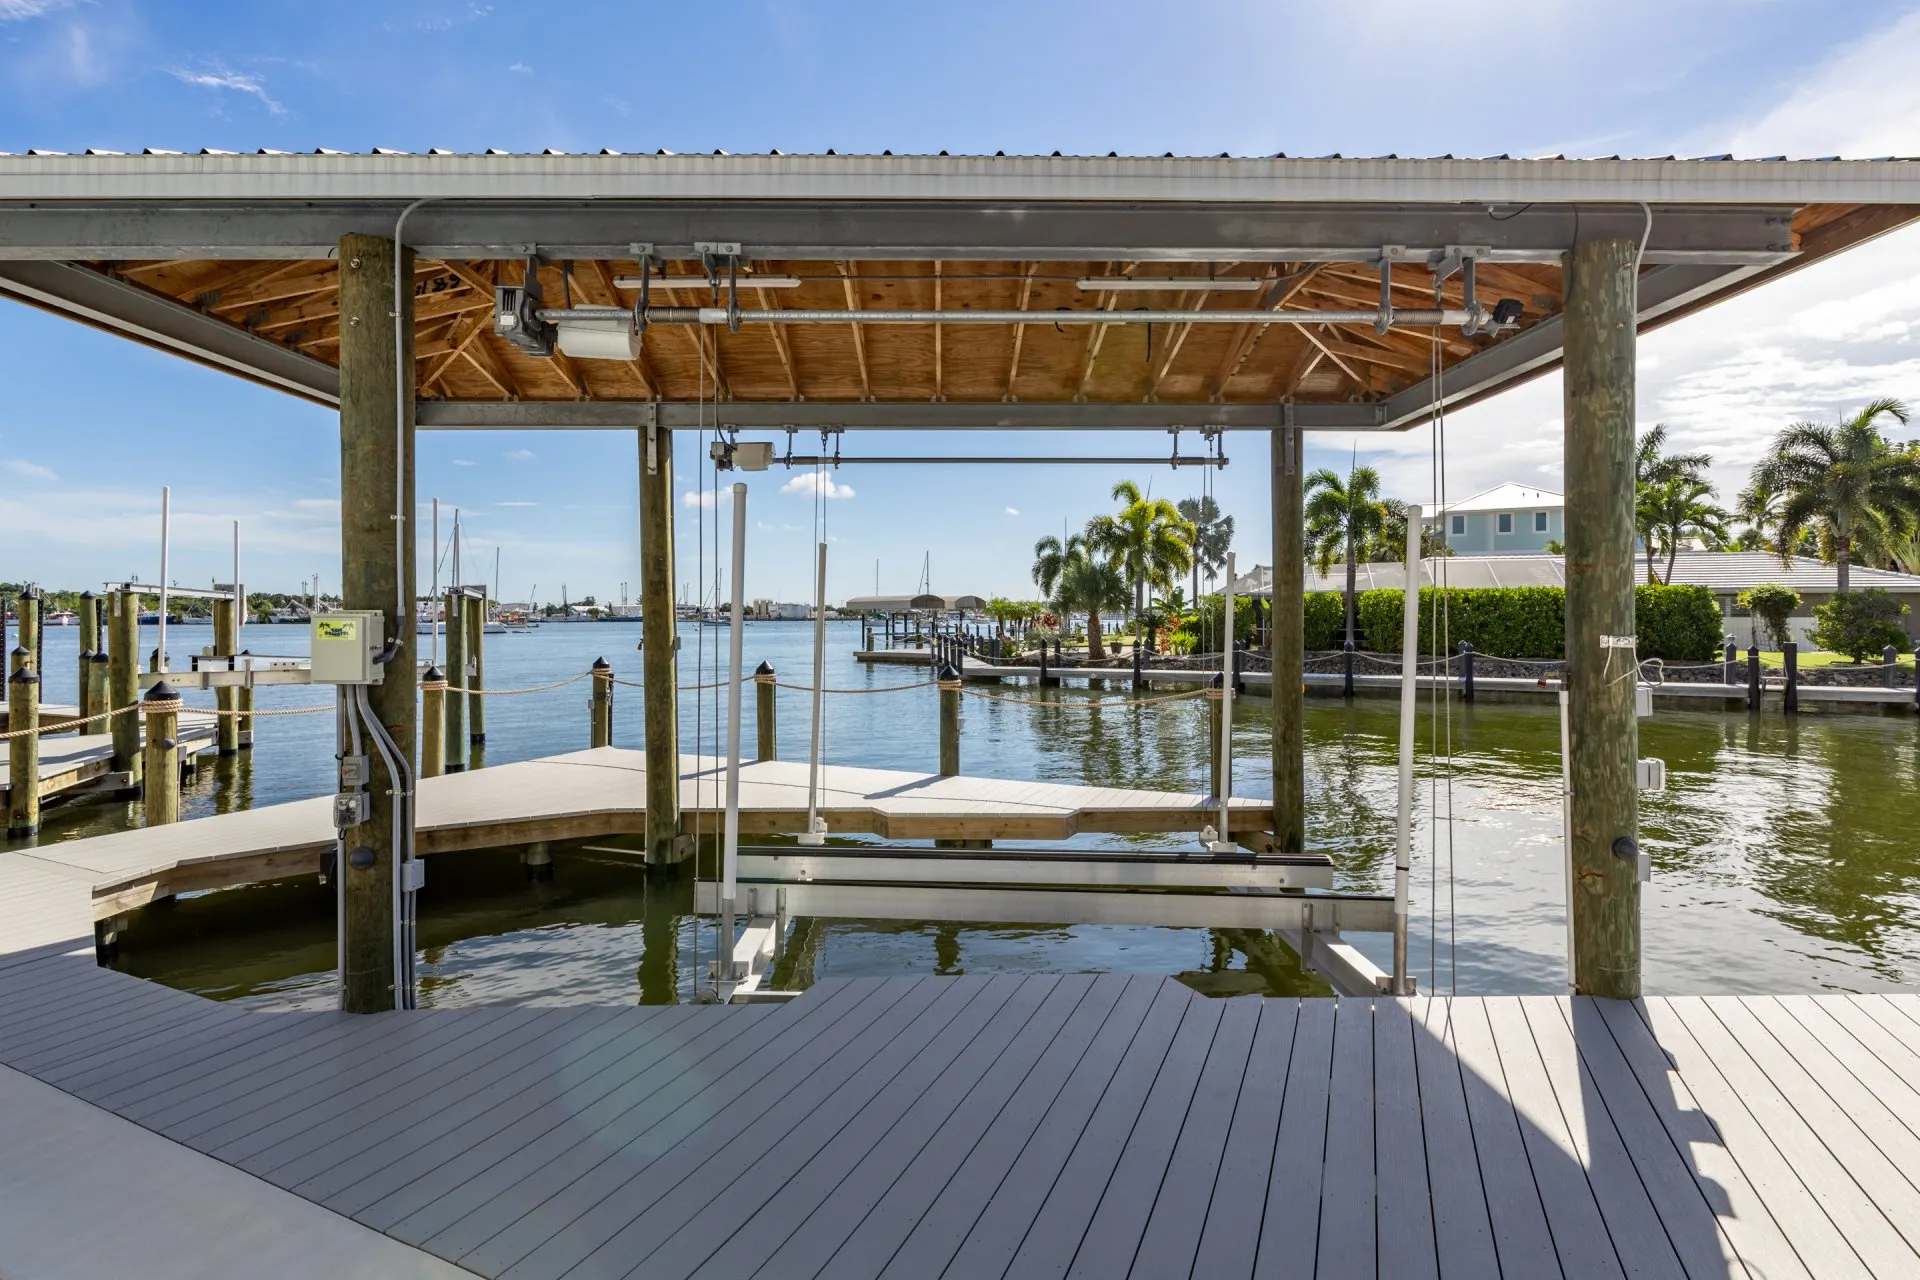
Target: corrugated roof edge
x,y
1722,158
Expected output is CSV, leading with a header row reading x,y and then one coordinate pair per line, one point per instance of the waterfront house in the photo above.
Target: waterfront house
x,y
1508,519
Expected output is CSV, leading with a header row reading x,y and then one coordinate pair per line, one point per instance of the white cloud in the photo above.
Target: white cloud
x,y
520,68
810,483
1862,102
516,504
31,470
1013,511
518,455
20,10
465,462
705,498
233,80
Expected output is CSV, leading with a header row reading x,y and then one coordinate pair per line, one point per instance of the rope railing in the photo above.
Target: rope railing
x,y
1089,704
62,724
885,688
509,693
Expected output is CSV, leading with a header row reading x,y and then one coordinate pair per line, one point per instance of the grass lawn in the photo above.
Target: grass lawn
x,y
1814,658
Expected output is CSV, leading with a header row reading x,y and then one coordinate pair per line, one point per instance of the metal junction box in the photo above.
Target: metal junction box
x,y
345,644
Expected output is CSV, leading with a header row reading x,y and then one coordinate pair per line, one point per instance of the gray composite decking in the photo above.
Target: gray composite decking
x,y
1056,1125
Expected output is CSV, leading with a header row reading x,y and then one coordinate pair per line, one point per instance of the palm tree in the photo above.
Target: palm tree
x,y
1146,540
1092,585
1677,511
1845,482
1213,535
1050,557
1391,542
1652,467
1343,514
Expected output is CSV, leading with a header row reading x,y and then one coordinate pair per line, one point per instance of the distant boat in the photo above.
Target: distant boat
x,y
63,618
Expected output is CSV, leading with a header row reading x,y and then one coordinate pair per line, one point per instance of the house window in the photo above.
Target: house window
x,y
1506,522
1459,526
1539,522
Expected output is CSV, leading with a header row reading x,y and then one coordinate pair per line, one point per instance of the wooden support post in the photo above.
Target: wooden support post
x,y
89,632
1346,669
476,681
226,731
1753,677
1216,707
162,751
123,682
1466,671
96,685
243,699
455,707
1604,735
23,753
763,699
1790,660
1731,657
1890,658
949,681
659,658
376,537
600,706
1288,642
433,725
31,610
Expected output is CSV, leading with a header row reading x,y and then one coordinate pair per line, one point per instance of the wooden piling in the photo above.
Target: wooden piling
x,y
89,635
96,686
600,706
1466,671
456,702
226,730
23,752
433,727
659,659
1216,707
949,682
763,708
123,683
243,699
376,486
31,609
1753,677
1603,732
1288,644
476,681
162,751
1790,661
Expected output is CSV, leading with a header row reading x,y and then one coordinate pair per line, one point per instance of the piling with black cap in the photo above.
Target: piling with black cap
x,y
763,711
162,755
23,752
949,681
1732,658
98,668
433,725
1346,669
600,715
1753,677
1790,656
1466,671
123,683
89,632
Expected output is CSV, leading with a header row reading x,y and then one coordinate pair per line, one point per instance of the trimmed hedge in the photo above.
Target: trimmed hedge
x,y
1677,624
1326,620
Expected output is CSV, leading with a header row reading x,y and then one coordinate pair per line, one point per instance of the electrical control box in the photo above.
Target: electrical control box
x,y
1652,774
345,645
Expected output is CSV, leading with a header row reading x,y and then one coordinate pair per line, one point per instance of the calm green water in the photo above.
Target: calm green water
x,y
1785,851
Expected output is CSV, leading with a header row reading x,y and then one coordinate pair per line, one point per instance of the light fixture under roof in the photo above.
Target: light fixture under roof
x,y
701,282
1172,284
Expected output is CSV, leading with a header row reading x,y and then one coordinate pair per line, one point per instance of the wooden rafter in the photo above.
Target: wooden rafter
x,y
697,334
1019,330
1309,360
210,295
778,332
939,372
1098,337
483,357
1174,343
859,331
1248,336
1307,331
475,328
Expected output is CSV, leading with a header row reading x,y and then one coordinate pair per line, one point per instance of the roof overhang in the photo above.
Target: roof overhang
x,y
69,225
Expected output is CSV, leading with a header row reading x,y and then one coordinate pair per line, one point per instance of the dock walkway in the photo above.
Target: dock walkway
x,y
77,762
985,1125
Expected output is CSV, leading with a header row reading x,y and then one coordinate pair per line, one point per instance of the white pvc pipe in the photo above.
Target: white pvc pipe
x,y
1226,703
239,596
166,508
434,607
1401,317
1409,706
819,681
730,838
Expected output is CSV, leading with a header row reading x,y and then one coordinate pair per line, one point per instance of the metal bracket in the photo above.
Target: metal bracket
x,y
1389,254
715,254
516,312
652,432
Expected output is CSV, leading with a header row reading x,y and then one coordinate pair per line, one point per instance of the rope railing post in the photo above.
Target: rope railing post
x,y
1045,679
1891,657
1790,656
162,755
1753,677
1732,656
454,706
243,698
23,752
1136,663
89,628
1916,679
123,683
600,704
96,678
1466,671
768,740
433,725
950,685
1346,669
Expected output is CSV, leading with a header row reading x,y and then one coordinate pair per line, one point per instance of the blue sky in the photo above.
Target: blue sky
x,y
92,426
